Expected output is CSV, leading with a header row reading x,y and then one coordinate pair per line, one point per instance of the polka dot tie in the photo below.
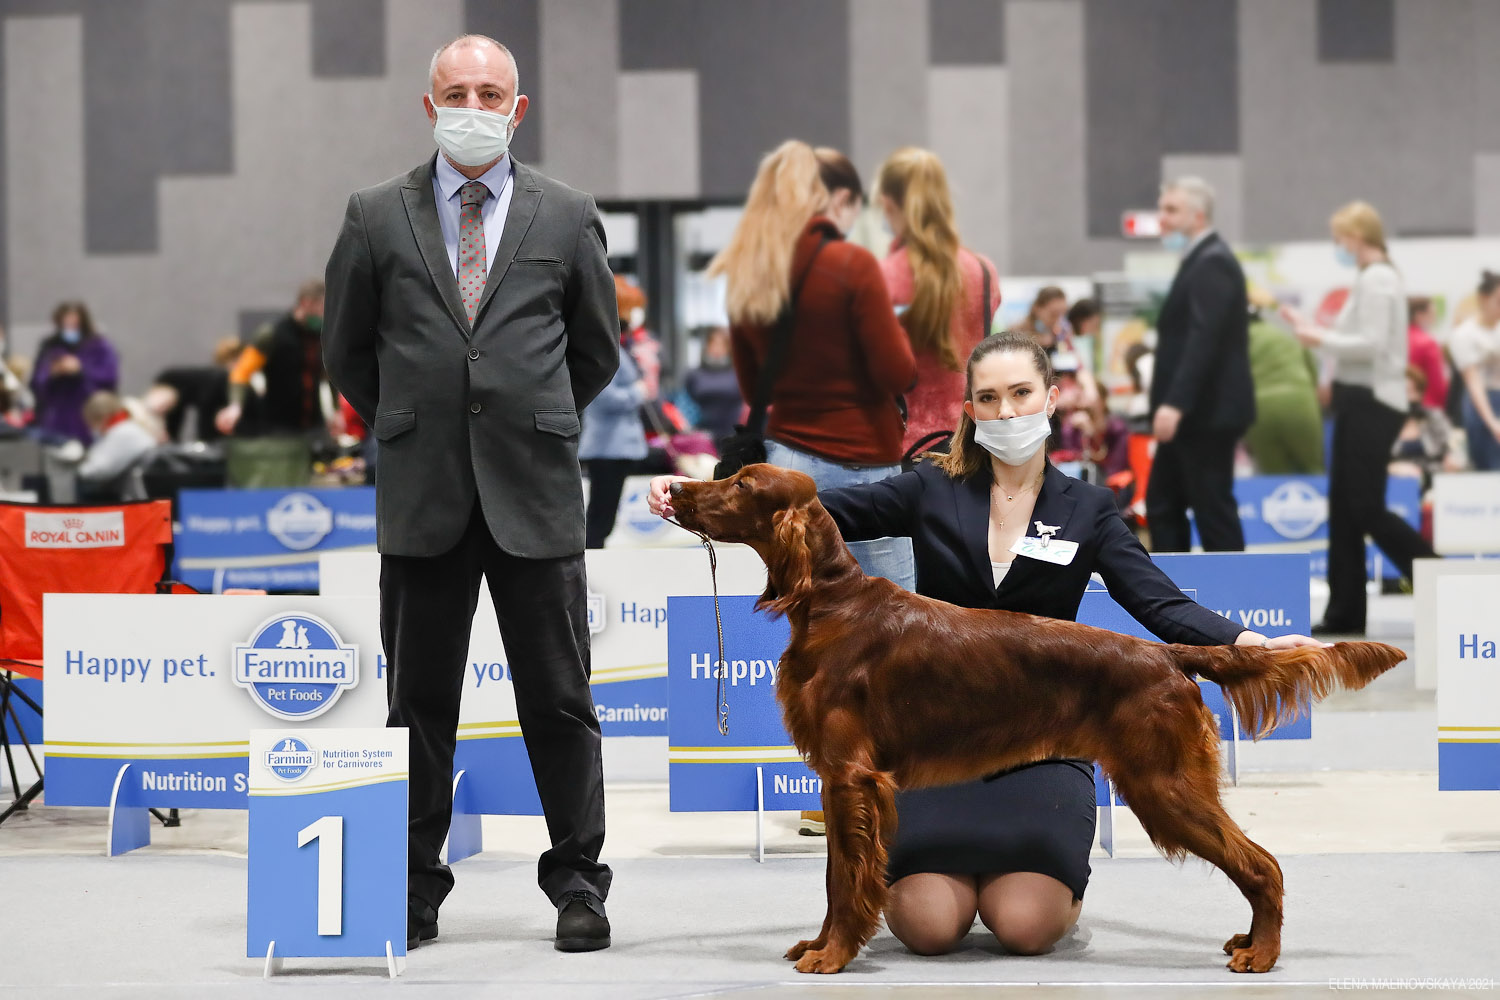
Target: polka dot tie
x,y
471,249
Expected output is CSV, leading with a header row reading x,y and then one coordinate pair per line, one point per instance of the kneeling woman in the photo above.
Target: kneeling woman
x,y
1012,849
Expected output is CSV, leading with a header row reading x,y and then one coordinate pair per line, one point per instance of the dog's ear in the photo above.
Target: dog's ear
x,y
789,570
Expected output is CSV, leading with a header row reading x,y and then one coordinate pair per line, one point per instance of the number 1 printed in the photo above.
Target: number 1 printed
x,y
329,833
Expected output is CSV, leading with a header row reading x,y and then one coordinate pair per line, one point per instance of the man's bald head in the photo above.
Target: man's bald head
x,y
487,46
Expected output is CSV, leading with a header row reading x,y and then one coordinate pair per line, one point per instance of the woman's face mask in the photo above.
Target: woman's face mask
x,y
1016,440
1011,408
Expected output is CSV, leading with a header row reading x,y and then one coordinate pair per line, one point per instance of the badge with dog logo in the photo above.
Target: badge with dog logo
x,y
1058,551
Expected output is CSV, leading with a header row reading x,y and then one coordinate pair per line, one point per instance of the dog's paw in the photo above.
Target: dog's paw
x,y
801,948
824,961
1236,942
1252,959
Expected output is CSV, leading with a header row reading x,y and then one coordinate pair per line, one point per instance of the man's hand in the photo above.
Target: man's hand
x,y
226,419
1164,424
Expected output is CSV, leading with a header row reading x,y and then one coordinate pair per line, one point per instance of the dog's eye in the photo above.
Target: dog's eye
x,y
739,484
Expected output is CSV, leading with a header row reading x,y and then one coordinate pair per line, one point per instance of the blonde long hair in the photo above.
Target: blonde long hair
x,y
786,193
915,181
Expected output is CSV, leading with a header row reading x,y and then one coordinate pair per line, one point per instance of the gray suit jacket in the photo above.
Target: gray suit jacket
x,y
490,410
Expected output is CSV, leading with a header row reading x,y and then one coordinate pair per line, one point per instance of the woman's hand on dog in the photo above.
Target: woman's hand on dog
x,y
657,496
1248,638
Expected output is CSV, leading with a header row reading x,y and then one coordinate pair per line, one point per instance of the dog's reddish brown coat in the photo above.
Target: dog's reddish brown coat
x,y
884,689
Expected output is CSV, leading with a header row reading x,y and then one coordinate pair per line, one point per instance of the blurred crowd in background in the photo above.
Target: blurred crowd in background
x,y
875,377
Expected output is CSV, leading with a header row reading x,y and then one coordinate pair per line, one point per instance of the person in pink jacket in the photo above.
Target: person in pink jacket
x,y
944,293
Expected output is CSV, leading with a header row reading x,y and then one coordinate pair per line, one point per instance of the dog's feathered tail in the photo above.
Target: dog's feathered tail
x,y
1269,687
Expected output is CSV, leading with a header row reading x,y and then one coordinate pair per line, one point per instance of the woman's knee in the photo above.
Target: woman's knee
x,y
1029,934
925,937
1028,916
931,913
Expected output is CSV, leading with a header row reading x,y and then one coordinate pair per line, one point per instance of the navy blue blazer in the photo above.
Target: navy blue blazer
x,y
948,523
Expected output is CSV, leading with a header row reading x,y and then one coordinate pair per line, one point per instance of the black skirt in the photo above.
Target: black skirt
x,y
1037,818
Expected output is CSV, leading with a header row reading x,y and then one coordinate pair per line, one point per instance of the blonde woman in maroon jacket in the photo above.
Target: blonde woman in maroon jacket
x,y
936,284
834,409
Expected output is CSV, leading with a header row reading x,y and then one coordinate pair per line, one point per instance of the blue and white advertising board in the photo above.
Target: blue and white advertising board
x,y
1291,512
328,843
628,614
173,685
710,772
1265,592
268,539
1468,684
1466,513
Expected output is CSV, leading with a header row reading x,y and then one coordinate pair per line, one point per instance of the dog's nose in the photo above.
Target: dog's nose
x,y
675,489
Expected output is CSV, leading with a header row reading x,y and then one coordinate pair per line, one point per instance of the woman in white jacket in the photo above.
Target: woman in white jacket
x,y
1367,349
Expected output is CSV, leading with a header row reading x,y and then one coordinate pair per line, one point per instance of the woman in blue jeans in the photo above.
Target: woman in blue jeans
x,y
835,412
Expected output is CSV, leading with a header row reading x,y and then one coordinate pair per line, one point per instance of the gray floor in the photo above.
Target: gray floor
x,y
705,925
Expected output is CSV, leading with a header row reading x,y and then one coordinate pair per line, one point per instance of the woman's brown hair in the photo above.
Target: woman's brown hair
x,y
838,173
1044,296
915,181
966,458
85,321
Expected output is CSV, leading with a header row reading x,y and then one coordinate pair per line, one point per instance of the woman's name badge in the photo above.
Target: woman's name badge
x,y
1058,551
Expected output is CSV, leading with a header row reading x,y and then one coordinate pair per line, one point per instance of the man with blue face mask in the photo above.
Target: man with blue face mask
x,y
1202,398
469,319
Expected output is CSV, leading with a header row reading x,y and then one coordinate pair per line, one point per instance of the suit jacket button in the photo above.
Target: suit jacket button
x,y
474,355
474,407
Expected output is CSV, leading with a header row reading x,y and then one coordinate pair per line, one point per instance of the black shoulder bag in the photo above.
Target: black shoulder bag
x,y
747,445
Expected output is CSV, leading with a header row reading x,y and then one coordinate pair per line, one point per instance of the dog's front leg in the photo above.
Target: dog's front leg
x,y
818,943
859,811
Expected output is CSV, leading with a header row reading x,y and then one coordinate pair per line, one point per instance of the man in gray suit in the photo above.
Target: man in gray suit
x,y
470,318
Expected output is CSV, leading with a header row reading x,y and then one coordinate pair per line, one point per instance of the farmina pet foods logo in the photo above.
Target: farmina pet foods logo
x,y
1295,510
291,758
295,666
299,521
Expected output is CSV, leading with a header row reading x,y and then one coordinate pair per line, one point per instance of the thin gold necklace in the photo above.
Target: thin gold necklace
x,y
1011,498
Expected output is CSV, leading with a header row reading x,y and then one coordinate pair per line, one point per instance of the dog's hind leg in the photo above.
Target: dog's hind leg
x,y
859,808
1174,792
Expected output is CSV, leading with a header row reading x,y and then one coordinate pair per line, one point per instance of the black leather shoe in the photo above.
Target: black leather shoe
x,y
421,923
581,923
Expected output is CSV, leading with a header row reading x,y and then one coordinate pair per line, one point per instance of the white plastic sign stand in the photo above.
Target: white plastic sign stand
x,y
1107,819
760,814
328,845
465,835
129,819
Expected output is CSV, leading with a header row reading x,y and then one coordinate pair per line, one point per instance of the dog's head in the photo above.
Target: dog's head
x,y
767,508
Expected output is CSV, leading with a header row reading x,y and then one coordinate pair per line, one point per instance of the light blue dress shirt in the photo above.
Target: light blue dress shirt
x,y
446,181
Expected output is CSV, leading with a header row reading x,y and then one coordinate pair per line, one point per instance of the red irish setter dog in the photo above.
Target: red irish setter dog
x,y
883,689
